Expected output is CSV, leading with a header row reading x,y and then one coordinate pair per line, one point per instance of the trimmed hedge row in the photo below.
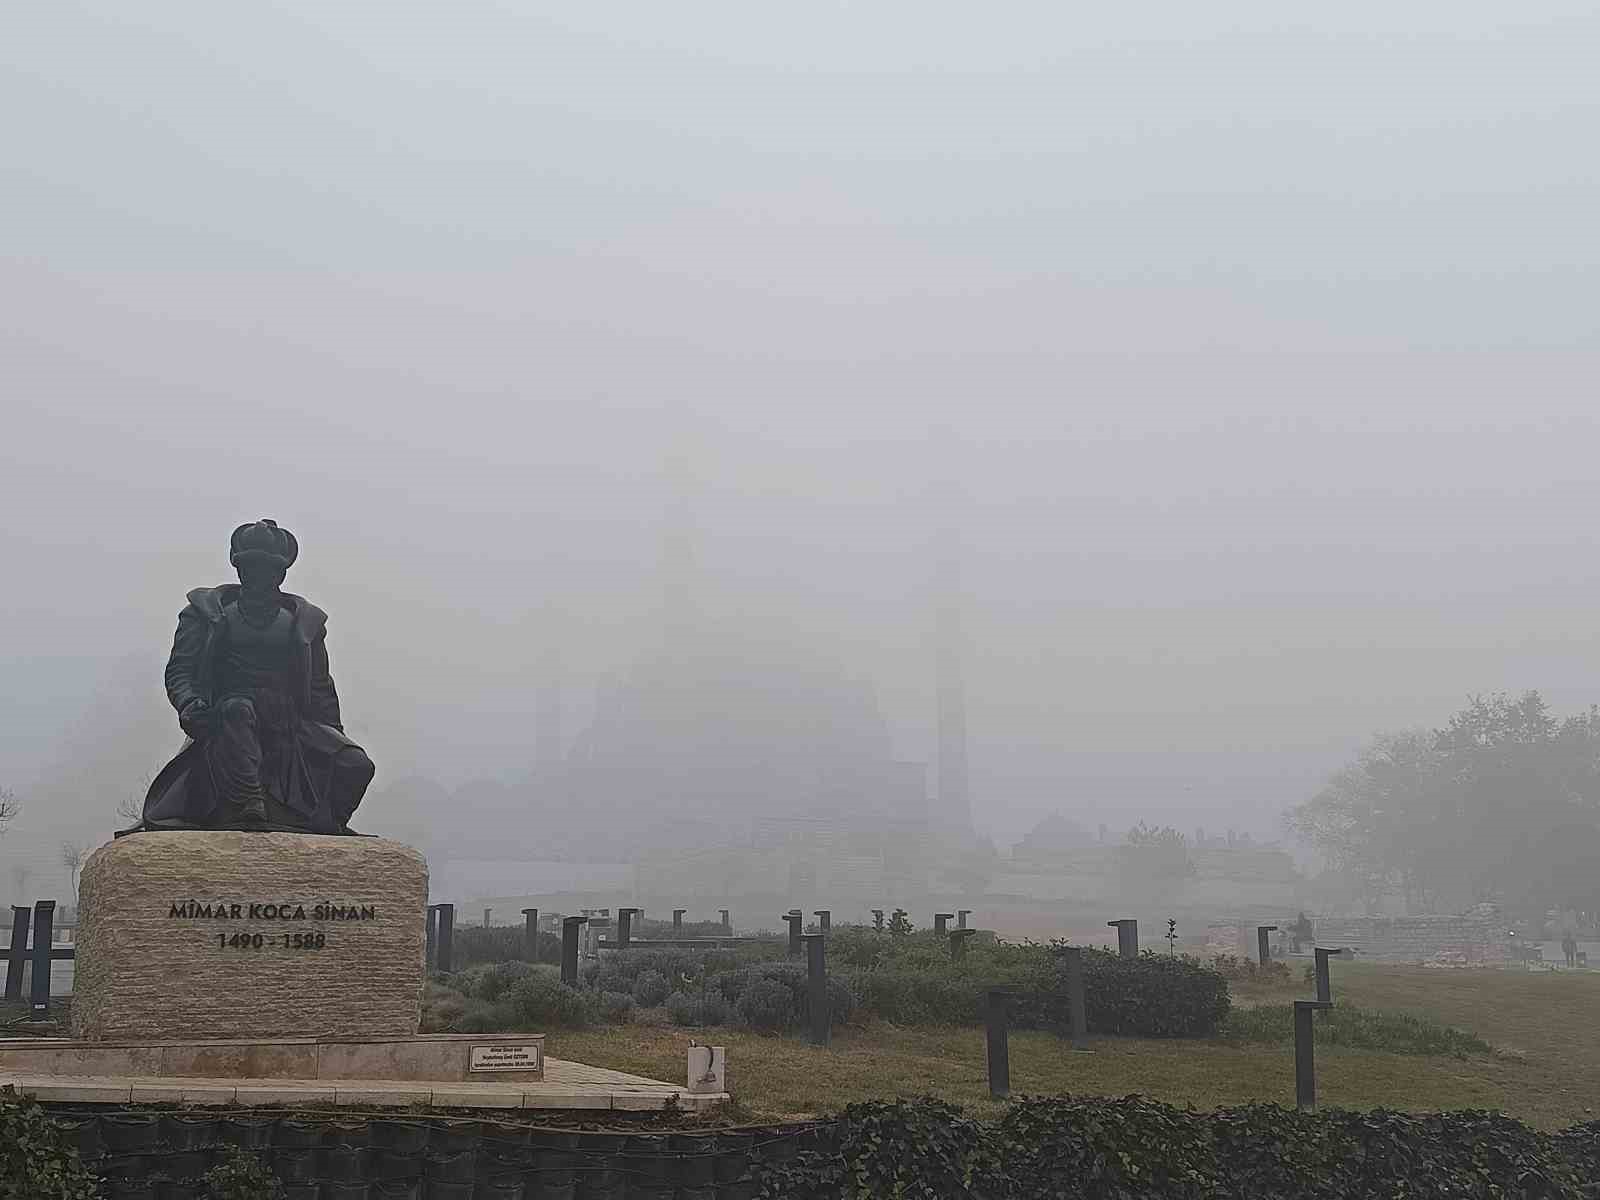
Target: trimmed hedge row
x,y
906,980
1123,1149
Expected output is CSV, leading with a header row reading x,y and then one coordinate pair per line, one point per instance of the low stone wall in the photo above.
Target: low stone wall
x,y
1447,941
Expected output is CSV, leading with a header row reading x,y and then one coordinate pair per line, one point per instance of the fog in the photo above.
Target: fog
x,y
1245,358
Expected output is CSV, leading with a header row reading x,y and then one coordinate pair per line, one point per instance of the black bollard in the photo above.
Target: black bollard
x,y
677,919
1076,1014
794,916
961,917
994,1026
817,988
570,928
1127,937
1305,1066
1263,947
19,951
824,918
877,919
1324,981
530,934
958,942
444,947
624,927
940,922
44,914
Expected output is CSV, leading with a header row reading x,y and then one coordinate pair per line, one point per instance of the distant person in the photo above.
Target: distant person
x,y
1569,947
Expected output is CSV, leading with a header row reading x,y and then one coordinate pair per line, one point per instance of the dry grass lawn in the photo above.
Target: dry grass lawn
x,y
1549,1075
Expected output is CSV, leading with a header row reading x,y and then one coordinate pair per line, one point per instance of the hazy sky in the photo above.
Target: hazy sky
x,y
1261,339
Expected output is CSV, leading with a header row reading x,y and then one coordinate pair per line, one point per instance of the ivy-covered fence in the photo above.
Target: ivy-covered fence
x,y
1078,1147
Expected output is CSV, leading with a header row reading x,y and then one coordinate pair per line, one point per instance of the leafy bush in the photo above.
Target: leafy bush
x,y
1350,1025
473,944
491,983
615,1007
241,1176
697,1008
1133,1149
905,996
650,988
36,1163
768,1006
543,1001
792,977
1153,995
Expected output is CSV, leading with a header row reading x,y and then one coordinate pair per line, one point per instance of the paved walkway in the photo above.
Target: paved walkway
x,y
567,1085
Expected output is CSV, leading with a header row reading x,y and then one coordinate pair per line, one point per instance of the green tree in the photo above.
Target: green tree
x,y
1472,811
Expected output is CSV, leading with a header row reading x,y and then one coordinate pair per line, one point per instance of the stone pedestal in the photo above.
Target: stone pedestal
x,y
263,935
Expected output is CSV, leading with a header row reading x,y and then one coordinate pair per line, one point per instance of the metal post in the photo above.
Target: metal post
x,y
1305,1067
994,1025
570,928
530,934
677,919
961,917
19,951
794,917
958,942
817,987
1324,979
824,918
624,927
877,919
1076,1014
44,913
940,922
444,948
1127,936
1263,948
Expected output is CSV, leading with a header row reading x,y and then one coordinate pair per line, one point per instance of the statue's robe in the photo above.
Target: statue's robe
x,y
327,773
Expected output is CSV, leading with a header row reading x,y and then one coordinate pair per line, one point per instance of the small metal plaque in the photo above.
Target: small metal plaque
x,y
504,1056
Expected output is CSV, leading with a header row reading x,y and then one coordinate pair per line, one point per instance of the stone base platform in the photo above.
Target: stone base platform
x,y
566,1085
437,1058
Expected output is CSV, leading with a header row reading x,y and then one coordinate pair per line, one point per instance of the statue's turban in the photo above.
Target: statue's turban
x,y
263,541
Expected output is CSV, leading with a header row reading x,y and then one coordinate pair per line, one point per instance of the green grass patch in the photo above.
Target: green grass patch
x,y
1357,1028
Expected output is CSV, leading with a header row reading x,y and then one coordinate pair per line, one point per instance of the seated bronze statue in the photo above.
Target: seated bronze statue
x,y
249,678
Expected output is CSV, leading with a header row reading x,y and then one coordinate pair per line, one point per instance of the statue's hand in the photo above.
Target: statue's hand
x,y
195,719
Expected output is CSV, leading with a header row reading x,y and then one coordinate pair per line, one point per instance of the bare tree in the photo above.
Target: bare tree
x,y
131,806
10,806
72,856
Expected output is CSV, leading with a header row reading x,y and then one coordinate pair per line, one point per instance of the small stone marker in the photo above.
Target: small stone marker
x,y
708,1069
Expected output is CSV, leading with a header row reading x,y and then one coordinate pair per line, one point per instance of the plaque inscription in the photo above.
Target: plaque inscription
x,y
504,1056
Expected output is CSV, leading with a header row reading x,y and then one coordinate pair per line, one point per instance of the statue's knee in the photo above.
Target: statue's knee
x,y
237,710
355,767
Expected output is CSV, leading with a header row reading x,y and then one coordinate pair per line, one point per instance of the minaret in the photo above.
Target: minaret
x,y
547,711
954,813
677,554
